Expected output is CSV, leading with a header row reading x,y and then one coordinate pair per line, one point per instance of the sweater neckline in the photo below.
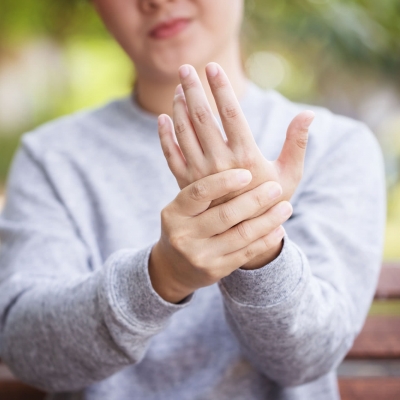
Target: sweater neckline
x,y
141,115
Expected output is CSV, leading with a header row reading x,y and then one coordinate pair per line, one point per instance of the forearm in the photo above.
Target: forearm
x,y
293,326
64,335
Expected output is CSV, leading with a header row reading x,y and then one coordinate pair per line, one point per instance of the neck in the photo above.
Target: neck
x,y
156,96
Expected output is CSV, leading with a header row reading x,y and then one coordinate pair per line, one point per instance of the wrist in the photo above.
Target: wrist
x,y
162,279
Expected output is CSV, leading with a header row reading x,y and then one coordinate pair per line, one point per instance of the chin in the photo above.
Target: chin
x,y
162,63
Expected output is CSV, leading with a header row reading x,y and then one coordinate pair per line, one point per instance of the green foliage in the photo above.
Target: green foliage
x,y
58,19
385,307
360,34
392,242
8,146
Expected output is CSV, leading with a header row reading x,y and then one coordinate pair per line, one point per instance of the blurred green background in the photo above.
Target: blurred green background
x,y
56,58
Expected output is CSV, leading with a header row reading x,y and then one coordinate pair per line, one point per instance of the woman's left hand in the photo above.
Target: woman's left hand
x,y
202,150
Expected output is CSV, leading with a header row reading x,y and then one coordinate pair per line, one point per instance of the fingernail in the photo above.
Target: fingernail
x,y
309,117
243,176
279,232
285,209
212,69
178,90
161,120
184,71
274,191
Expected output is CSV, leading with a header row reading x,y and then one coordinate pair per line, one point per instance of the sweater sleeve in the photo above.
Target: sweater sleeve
x,y
297,317
63,323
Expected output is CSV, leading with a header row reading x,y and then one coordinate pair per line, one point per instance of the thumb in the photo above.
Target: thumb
x,y
291,159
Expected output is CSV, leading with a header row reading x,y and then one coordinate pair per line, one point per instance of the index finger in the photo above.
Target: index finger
x,y
196,198
235,124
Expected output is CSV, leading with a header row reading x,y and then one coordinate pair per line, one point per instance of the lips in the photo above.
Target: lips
x,y
169,28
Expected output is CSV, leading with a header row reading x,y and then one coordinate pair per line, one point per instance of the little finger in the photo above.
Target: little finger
x,y
258,247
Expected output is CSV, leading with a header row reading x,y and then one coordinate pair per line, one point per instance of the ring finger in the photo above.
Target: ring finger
x,y
247,232
221,218
184,132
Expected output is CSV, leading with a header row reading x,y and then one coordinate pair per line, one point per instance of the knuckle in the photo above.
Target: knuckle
x,y
197,261
229,111
198,191
189,84
178,98
258,198
177,241
249,253
219,165
165,216
244,230
247,161
302,140
168,153
180,127
226,213
196,173
220,83
201,114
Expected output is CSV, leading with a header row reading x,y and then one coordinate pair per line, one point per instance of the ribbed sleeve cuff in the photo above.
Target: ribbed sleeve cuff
x,y
129,294
270,284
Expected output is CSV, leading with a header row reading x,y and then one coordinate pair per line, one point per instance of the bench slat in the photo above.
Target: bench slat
x,y
369,389
380,338
18,391
389,282
12,389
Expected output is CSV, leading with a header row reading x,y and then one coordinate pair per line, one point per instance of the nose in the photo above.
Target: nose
x,y
152,5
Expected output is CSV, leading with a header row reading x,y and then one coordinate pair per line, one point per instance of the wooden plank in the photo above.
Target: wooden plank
x,y
18,391
380,338
5,373
369,389
377,368
389,282
12,389
389,307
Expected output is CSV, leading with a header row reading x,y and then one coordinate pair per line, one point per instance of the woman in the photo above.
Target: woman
x,y
109,292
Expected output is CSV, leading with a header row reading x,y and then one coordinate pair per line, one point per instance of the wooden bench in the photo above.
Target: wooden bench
x,y
371,370
12,389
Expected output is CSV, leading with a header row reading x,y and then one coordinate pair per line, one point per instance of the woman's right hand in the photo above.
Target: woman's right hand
x,y
199,246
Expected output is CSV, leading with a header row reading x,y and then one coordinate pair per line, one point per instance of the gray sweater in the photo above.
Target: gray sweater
x,y
79,317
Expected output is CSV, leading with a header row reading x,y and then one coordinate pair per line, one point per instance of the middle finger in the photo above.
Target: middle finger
x,y
201,115
223,217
